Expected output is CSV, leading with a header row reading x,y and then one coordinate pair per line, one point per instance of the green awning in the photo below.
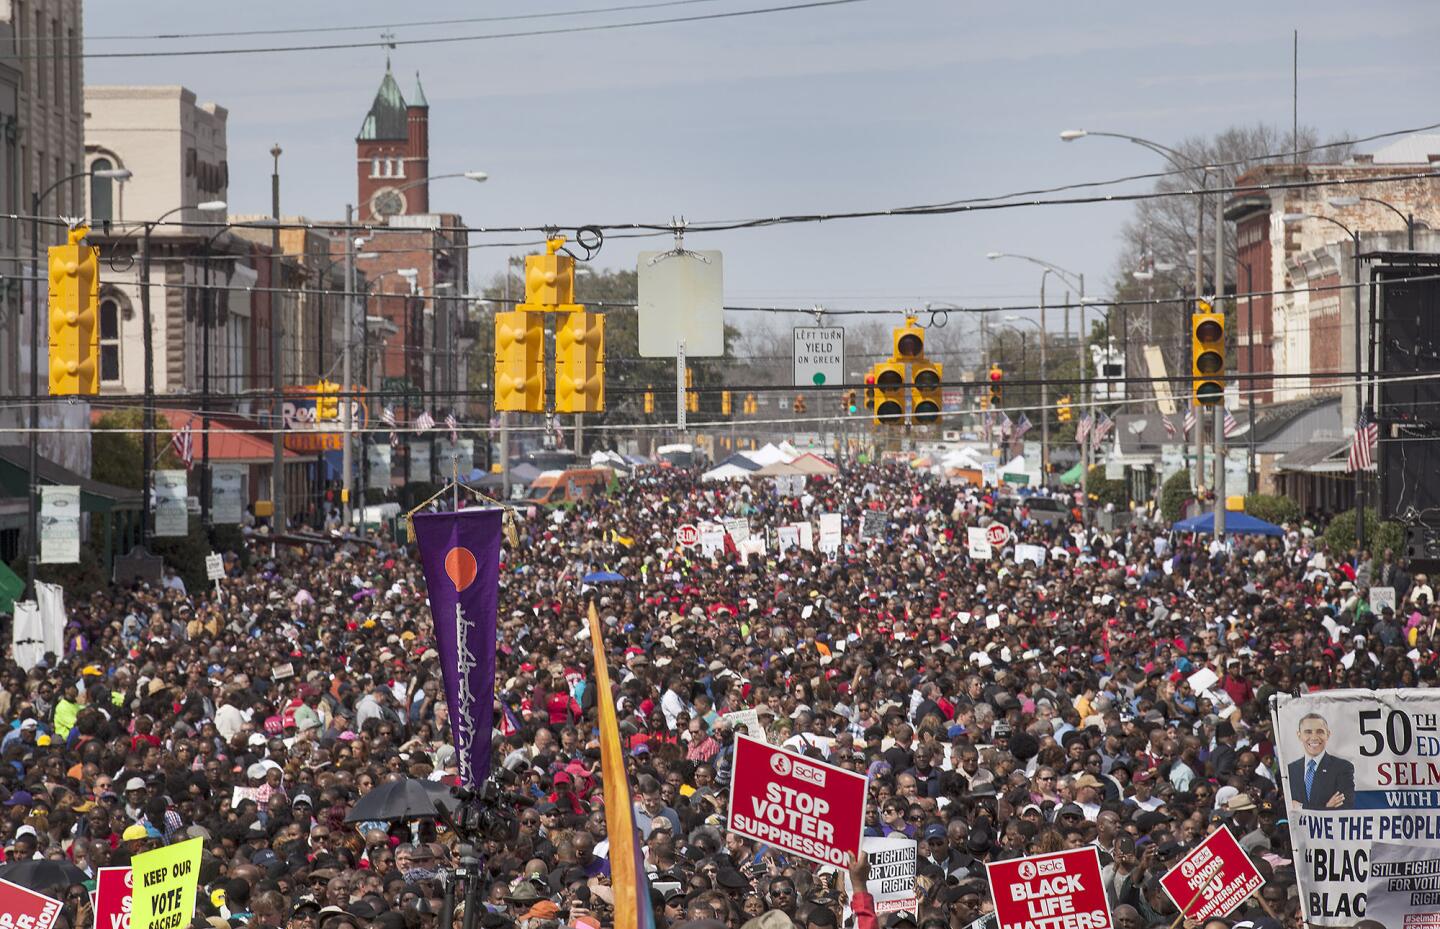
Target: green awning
x,y
95,496
12,586
1073,475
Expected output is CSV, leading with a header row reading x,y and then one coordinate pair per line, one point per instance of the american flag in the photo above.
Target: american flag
x,y
1231,426
987,426
424,422
1082,429
1362,448
1189,420
1023,426
451,424
184,444
1006,426
1169,426
1102,429
387,416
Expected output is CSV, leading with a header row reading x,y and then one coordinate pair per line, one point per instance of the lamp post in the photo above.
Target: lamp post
x,y
1290,219
1184,162
1077,280
1409,218
32,559
148,423
207,321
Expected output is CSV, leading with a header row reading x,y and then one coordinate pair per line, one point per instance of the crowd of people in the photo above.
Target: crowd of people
x,y
997,708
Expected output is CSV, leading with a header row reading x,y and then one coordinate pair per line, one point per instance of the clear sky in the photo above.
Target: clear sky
x,y
873,104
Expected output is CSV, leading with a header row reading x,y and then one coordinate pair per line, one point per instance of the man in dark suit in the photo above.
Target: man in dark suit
x,y
1319,780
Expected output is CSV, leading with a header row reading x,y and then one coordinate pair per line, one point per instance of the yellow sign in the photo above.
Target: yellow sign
x,y
165,882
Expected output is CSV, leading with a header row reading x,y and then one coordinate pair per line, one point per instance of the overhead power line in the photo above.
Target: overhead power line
x,y
446,40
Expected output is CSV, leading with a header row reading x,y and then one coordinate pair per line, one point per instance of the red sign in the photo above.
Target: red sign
x,y
1214,879
112,898
997,534
796,804
1058,891
21,906
688,535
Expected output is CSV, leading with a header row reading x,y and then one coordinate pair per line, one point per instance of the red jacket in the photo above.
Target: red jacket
x,y
862,905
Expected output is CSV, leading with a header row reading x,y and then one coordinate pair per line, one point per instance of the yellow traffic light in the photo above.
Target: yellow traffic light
x,y
751,406
520,362
909,341
1062,409
997,382
799,405
725,408
74,334
649,399
925,397
890,393
851,399
327,400
550,278
1207,355
580,363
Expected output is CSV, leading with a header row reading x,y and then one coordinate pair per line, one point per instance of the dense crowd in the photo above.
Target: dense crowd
x,y
998,709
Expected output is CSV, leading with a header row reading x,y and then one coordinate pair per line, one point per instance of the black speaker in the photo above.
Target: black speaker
x,y
1409,408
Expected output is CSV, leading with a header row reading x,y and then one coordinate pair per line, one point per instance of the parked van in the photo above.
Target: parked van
x,y
564,488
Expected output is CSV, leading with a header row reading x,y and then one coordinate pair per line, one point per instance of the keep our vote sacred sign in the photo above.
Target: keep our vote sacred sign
x,y
1058,891
1214,879
796,804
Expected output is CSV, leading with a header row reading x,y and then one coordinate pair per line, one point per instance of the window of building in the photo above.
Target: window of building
x,y
37,62
374,167
57,54
102,191
399,167
109,340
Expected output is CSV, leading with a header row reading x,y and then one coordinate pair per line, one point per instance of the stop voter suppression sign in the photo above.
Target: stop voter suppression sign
x,y
796,804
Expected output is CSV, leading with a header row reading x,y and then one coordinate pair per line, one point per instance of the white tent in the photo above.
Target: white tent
x,y
770,454
961,458
727,472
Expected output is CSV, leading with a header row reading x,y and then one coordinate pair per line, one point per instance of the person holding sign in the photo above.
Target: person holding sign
x,y
1320,781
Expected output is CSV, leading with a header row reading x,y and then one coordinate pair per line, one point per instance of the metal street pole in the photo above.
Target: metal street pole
x,y
1044,393
277,381
1199,436
347,425
207,296
1361,492
147,422
1252,483
1220,409
504,416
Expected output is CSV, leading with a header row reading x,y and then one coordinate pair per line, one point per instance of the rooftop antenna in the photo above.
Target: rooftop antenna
x,y
388,37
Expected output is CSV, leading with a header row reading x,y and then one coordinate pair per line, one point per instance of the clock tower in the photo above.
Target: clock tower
x,y
392,153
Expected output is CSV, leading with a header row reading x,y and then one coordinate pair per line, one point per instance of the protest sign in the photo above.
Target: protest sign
x,y
1061,890
893,863
1213,879
830,532
1032,553
796,804
164,886
1403,890
738,528
712,540
23,907
787,537
1358,770
807,538
112,898
977,544
1381,597
747,722
872,525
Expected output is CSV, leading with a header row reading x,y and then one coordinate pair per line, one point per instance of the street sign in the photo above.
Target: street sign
x,y
819,355
796,804
997,534
1213,879
688,535
681,299
1059,889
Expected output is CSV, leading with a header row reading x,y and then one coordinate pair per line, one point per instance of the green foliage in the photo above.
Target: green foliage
x,y
1103,492
1173,495
231,539
1340,534
1272,508
79,580
116,454
186,554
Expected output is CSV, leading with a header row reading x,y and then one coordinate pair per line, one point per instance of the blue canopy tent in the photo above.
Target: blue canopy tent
x,y
1235,524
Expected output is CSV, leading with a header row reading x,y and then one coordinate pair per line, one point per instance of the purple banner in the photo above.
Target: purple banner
x,y
460,553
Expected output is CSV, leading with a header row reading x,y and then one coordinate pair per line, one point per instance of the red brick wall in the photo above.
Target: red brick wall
x,y
1253,315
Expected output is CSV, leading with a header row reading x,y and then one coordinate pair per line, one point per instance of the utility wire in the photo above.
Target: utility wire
x,y
443,40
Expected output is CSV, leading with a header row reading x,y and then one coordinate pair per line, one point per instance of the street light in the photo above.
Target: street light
x,y
1291,219
1408,217
1078,280
33,504
148,423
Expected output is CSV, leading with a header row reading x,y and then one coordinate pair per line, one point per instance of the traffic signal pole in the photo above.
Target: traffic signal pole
x,y
1220,407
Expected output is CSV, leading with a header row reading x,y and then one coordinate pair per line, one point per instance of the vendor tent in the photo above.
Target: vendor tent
x,y
1235,523
1073,475
727,472
811,463
767,455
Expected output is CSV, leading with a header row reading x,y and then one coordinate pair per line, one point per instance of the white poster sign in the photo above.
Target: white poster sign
x,y
1359,773
830,532
214,567
455,458
977,544
787,537
738,528
807,535
1024,551
1381,597
747,722
377,454
712,540
893,863
172,513
59,524
419,460
227,494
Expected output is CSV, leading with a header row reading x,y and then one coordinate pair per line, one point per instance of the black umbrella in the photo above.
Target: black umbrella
x,y
441,794
407,799
42,873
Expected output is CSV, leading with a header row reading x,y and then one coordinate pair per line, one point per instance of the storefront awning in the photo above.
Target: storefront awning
x,y
95,496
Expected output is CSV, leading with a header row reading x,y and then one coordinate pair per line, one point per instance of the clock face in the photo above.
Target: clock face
x,y
387,202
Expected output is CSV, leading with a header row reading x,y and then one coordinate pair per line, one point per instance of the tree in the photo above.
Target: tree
x,y
1174,494
116,453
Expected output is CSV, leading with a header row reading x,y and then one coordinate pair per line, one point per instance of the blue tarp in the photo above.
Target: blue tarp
x,y
1235,523
602,577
